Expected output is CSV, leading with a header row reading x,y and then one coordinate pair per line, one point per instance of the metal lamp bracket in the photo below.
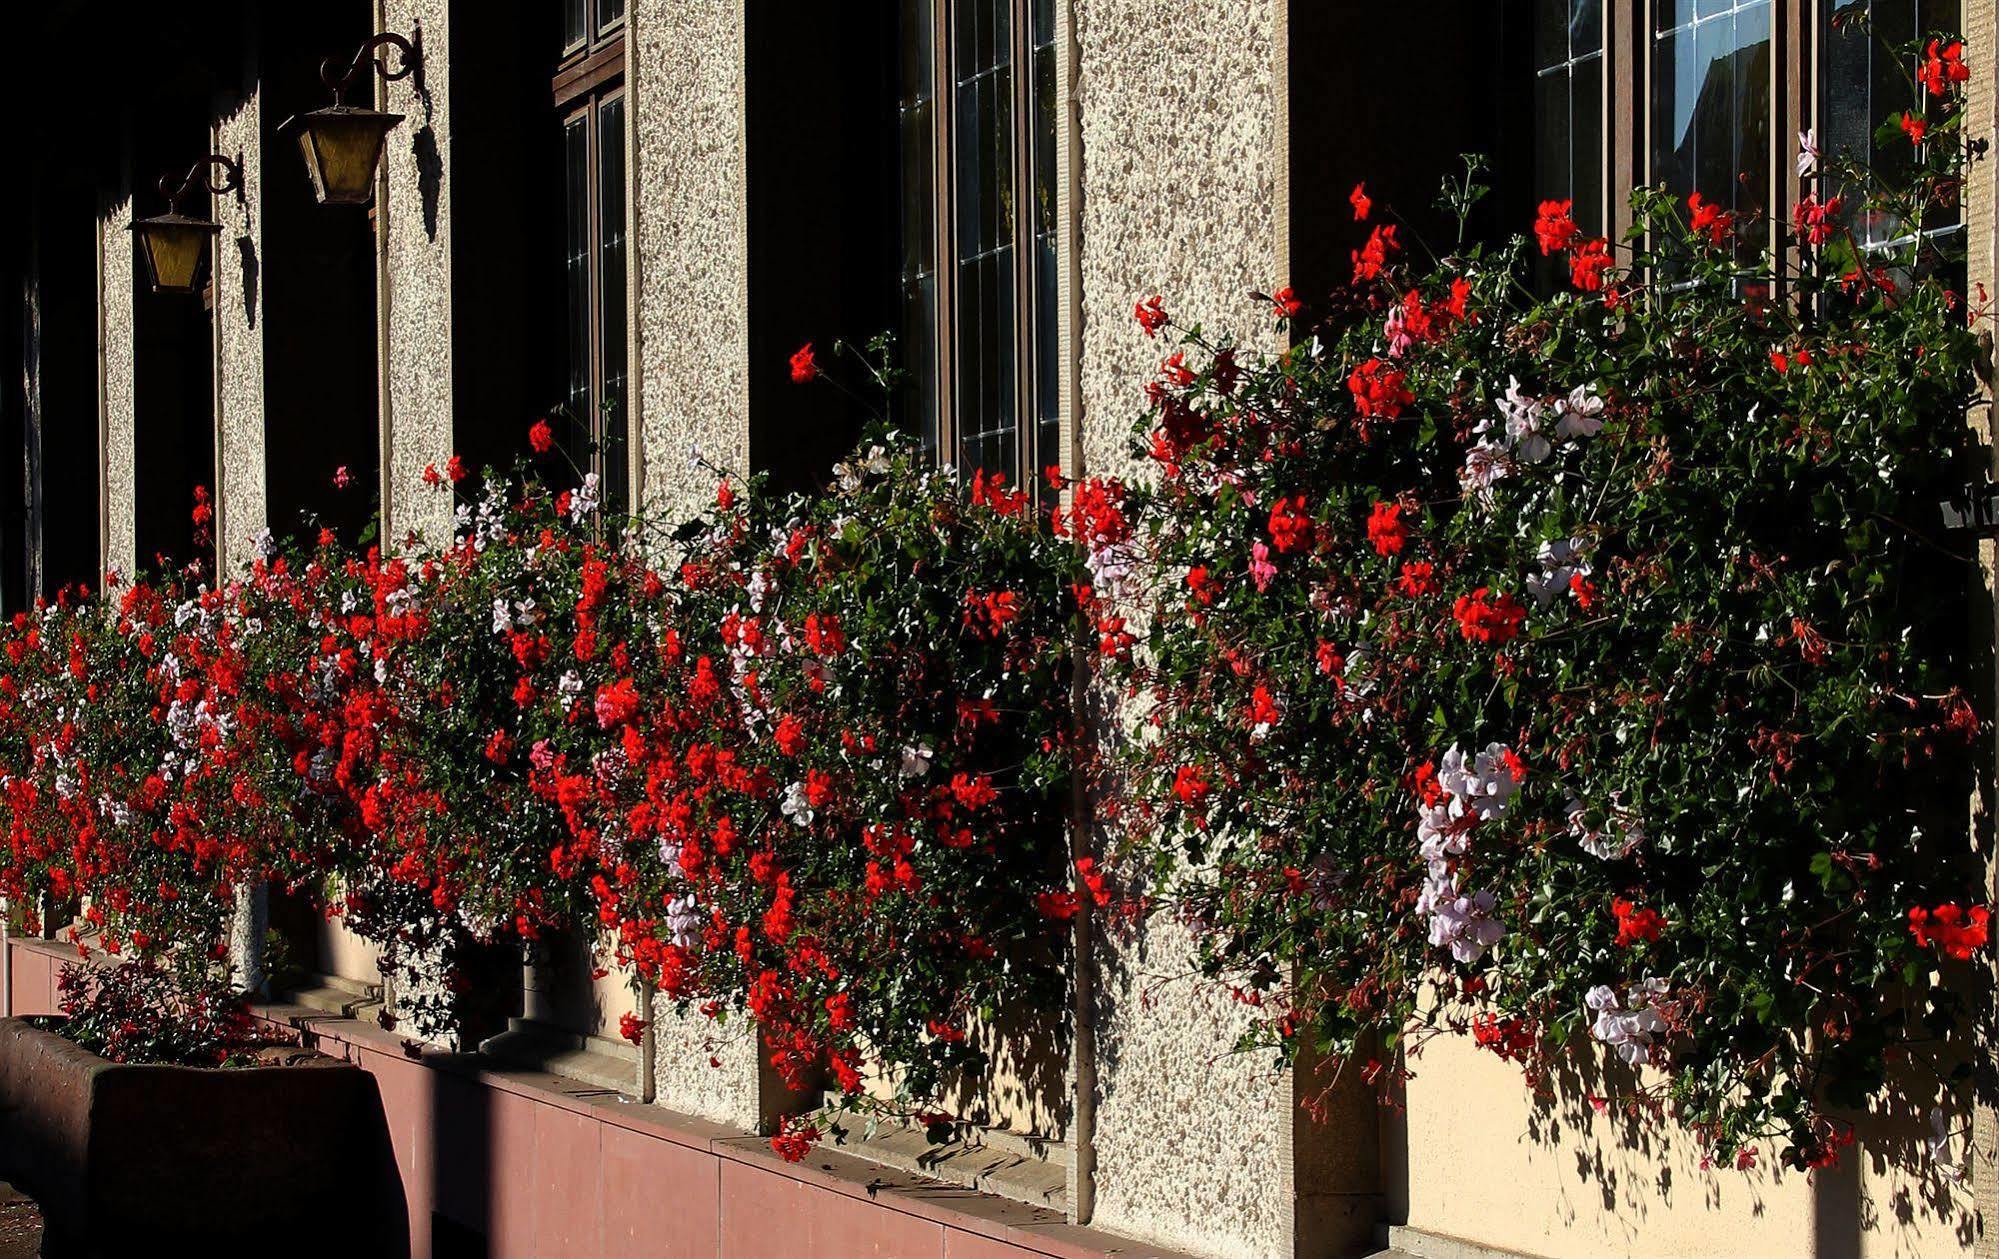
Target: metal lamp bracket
x,y
218,174
374,55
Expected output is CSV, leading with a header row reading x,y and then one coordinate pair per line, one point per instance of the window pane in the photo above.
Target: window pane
x,y
575,22
1568,114
609,13
611,409
918,279
1711,103
1046,339
1866,80
985,227
576,274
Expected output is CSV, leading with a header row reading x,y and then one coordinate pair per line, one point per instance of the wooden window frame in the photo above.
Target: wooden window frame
x,y
1628,41
944,426
590,76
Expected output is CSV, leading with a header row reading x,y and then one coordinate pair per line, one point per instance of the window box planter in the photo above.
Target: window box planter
x,y
127,1159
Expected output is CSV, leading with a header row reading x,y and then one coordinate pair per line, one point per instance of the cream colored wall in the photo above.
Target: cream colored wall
x,y
1476,1156
413,290
690,237
117,421
239,341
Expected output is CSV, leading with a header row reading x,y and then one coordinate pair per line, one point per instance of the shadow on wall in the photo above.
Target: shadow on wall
x,y
1641,1176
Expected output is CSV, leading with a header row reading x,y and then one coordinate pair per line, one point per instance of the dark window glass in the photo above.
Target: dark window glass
x,y
981,227
1568,107
576,273
610,13
1047,334
611,427
1866,80
917,114
575,22
986,367
1711,102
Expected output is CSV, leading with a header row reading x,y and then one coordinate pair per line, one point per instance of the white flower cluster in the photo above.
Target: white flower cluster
x,y
1561,562
1521,433
1630,1024
1620,835
1478,788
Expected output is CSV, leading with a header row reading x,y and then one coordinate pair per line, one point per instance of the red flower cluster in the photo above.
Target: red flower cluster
x,y
1955,932
1483,617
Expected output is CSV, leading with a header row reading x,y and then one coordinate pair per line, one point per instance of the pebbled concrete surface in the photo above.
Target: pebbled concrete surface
x,y
20,1225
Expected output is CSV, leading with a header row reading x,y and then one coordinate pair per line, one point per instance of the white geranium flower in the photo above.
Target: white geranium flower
x,y
571,688
1523,416
503,617
1808,153
583,503
1630,1024
796,805
1561,562
916,760
1485,783
1620,835
1461,923
1580,414
1942,1144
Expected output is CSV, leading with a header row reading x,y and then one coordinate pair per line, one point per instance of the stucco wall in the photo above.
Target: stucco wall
x,y
118,425
239,341
414,289
691,244
690,237
1178,115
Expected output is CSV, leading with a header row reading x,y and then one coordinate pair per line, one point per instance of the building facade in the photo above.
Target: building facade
x,y
625,215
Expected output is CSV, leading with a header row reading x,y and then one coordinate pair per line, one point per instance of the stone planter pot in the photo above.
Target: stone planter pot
x,y
128,1160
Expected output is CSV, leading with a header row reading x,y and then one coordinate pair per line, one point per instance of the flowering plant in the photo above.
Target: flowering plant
x,y
1544,668
837,776
140,1011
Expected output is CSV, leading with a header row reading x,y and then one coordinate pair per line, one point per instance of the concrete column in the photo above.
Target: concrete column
x,y
237,266
685,64
413,292
117,427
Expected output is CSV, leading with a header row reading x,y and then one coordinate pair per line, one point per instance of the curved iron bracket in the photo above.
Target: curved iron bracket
x,y
374,55
203,174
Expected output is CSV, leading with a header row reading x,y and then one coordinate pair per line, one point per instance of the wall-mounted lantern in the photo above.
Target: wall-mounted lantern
x,y
343,144
174,242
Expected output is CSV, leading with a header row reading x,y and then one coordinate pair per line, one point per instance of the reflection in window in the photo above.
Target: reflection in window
x,y
1866,80
1711,101
1568,107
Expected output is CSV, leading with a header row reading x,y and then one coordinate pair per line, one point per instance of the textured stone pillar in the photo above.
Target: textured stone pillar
x,y
413,291
240,510
685,67
1181,123
117,421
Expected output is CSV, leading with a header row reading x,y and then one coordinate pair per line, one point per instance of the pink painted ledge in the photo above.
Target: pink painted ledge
x,y
832,1203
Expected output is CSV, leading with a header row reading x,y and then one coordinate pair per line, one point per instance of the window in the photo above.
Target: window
x,y
978,132
1568,107
590,100
1864,80
1711,102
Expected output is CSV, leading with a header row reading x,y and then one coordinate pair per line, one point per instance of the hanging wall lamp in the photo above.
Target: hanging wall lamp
x,y
174,242
343,144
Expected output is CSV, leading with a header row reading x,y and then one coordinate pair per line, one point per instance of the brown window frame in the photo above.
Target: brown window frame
x,y
1033,317
591,76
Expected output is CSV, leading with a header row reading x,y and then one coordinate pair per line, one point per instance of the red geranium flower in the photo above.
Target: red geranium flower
x,y
804,366
1554,227
1386,530
541,438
